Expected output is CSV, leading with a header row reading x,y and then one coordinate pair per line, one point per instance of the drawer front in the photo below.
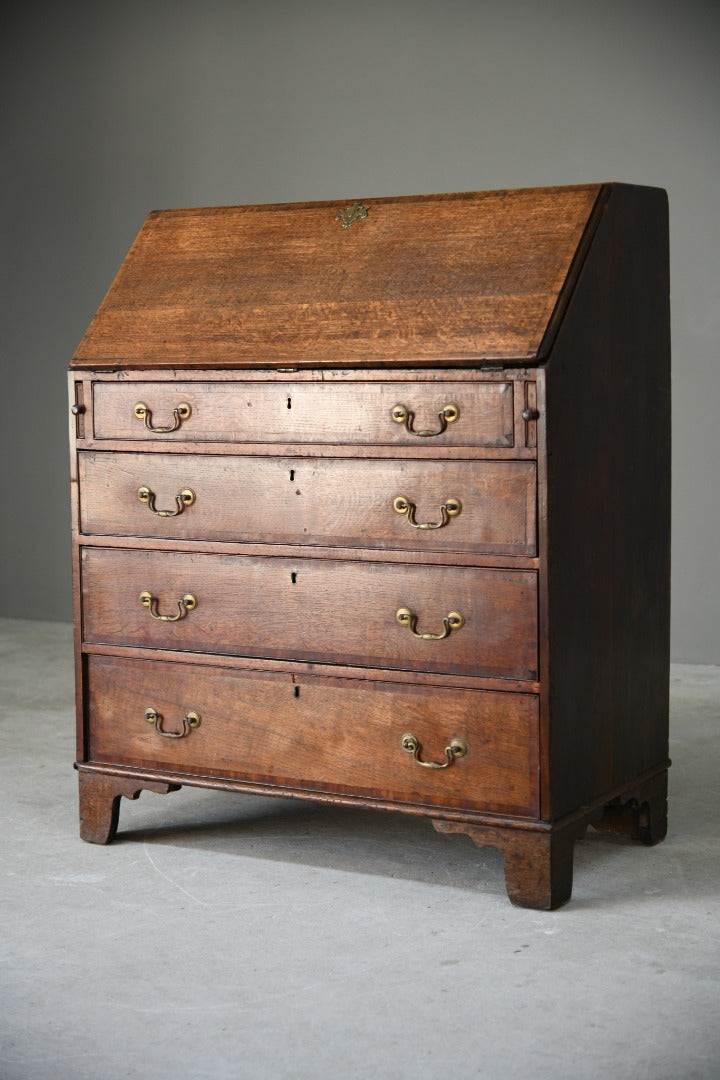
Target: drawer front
x,y
339,502
332,611
354,413
317,733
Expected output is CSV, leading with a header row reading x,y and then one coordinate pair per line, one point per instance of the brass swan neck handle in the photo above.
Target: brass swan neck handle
x,y
190,721
183,499
402,415
449,509
455,749
180,412
452,621
185,604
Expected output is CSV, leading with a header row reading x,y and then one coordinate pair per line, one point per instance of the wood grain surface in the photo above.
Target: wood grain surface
x,y
327,734
312,609
312,501
355,413
437,280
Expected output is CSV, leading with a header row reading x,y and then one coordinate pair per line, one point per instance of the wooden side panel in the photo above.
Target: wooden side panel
x,y
315,733
429,280
312,609
608,509
358,414
320,501
77,391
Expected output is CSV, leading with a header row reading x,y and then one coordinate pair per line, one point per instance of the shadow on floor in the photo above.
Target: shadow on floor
x,y
375,843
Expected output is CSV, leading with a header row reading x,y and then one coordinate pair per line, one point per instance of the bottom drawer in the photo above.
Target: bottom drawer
x,y
316,733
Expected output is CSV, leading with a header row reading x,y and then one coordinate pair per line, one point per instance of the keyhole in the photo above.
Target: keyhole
x,y
296,691
293,577
292,475
289,403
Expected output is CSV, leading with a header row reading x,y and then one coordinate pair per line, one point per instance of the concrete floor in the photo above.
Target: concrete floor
x,y
226,936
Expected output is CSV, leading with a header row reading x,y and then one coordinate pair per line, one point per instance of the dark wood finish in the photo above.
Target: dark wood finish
x,y
309,551
420,450
444,280
100,802
538,865
75,569
307,412
640,814
606,525
539,868
558,679
303,667
301,731
309,609
580,820
321,501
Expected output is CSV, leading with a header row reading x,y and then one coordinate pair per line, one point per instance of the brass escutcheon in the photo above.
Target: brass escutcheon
x,y
452,621
449,509
457,748
187,603
352,213
190,720
402,415
180,412
185,498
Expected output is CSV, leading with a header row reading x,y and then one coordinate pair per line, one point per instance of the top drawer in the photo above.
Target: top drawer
x,y
392,413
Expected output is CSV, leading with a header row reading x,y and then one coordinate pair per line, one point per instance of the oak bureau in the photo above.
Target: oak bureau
x,y
371,506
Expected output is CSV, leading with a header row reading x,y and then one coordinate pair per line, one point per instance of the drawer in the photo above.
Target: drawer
x,y
330,501
329,611
306,412
316,733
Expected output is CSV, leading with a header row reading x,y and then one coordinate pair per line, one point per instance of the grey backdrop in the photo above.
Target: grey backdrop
x,y
110,110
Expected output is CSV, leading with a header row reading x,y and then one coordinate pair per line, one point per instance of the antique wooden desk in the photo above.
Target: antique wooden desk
x,y
371,507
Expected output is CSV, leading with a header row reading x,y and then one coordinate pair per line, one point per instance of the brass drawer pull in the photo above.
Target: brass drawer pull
x,y
187,603
180,413
453,621
190,720
449,509
184,499
402,415
457,748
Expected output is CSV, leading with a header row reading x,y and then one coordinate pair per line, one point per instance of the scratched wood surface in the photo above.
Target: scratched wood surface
x,y
439,280
327,734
